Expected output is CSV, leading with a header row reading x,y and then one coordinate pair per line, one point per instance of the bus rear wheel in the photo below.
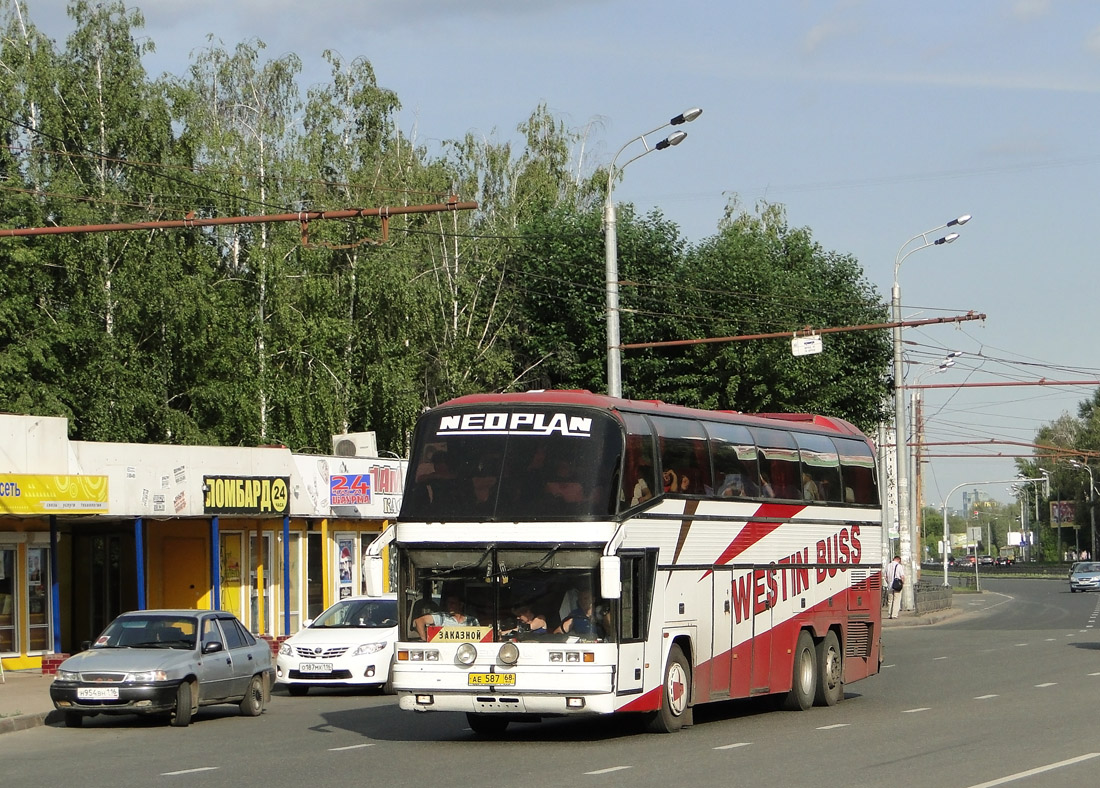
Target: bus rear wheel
x,y
830,671
804,678
675,695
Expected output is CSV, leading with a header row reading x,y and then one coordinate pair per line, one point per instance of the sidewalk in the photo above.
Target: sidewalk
x,y
25,700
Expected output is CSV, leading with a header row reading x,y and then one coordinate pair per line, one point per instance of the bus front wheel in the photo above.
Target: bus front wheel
x,y
487,724
675,695
804,678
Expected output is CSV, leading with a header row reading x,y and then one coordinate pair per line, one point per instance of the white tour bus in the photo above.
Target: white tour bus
x,y
567,553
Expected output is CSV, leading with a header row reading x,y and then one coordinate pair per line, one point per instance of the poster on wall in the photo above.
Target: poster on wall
x,y
345,546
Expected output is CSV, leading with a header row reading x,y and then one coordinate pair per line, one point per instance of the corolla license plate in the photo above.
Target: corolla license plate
x,y
486,679
97,693
315,667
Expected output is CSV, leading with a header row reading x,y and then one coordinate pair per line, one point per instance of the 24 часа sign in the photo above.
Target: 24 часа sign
x,y
245,494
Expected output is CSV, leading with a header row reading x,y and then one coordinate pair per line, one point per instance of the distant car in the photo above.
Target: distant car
x,y
985,560
165,662
349,644
1085,576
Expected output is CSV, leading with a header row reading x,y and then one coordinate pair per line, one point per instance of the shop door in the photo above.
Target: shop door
x,y
184,572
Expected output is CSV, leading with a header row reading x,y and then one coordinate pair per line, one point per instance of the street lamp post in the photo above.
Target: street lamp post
x,y
905,536
947,527
1092,503
611,243
916,409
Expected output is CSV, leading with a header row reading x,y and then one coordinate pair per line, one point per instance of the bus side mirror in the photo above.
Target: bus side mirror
x,y
611,584
374,562
373,575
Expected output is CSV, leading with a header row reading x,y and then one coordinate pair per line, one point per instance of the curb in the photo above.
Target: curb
x,y
22,722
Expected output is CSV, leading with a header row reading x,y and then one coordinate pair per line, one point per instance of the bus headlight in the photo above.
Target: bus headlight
x,y
508,654
466,654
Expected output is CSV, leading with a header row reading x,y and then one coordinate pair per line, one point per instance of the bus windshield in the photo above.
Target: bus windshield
x,y
514,464
542,593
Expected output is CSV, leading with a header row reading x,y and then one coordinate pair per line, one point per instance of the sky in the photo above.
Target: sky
x,y
870,121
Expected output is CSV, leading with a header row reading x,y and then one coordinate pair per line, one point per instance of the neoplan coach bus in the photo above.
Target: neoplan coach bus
x,y
567,553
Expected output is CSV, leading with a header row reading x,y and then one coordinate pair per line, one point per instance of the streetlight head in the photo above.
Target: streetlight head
x,y
960,221
675,138
689,116
947,239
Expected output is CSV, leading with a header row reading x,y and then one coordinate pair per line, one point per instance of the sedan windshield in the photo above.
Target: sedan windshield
x,y
359,614
1081,569
153,631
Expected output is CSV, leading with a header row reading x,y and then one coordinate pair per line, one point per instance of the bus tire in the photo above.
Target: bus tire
x,y
830,671
804,675
675,710
487,724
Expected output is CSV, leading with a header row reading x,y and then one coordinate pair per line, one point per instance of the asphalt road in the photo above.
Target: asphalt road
x,y
1005,694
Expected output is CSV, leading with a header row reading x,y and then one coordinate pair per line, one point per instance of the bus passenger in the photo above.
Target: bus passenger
x,y
452,615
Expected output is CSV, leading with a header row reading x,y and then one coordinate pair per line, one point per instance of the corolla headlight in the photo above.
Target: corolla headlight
x,y
286,649
67,675
143,676
368,648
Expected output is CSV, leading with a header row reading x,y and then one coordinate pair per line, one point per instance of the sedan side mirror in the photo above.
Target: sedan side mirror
x,y
212,647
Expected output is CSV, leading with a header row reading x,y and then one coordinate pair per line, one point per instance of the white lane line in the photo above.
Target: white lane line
x,y
985,697
732,746
1037,770
914,711
934,659
351,747
837,725
610,769
1048,684
889,666
1020,644
1050,639
191,771
1094,674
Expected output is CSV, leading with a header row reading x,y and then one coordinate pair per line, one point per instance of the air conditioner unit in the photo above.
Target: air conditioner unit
x,y
355,444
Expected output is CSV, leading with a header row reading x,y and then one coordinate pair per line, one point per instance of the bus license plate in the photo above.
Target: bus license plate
x,y
315,667
487,679
97,693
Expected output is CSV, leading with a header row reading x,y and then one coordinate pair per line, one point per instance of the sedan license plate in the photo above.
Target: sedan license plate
x,y
97,693
315,667
491,679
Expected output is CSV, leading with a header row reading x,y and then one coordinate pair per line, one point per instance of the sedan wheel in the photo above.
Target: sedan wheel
x,y
252,704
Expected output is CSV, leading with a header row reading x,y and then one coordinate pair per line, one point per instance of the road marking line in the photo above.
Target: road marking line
x,y
1050,639
1020,644
1094,674
1048,684
934,659
985,697
732,746
914,711
191,771
1037,770
610,769
837,725
350,747
889,666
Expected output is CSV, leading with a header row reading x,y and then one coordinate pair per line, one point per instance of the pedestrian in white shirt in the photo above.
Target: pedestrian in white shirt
x,y
895,581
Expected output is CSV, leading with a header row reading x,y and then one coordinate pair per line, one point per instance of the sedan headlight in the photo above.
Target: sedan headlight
x,y
145,676
368,648
286,649
67,675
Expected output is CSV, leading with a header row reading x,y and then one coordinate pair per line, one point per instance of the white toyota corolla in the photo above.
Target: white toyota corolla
x,y
350,644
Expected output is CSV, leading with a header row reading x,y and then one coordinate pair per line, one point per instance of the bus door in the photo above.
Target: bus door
x,y
635,605
721,648
761,636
